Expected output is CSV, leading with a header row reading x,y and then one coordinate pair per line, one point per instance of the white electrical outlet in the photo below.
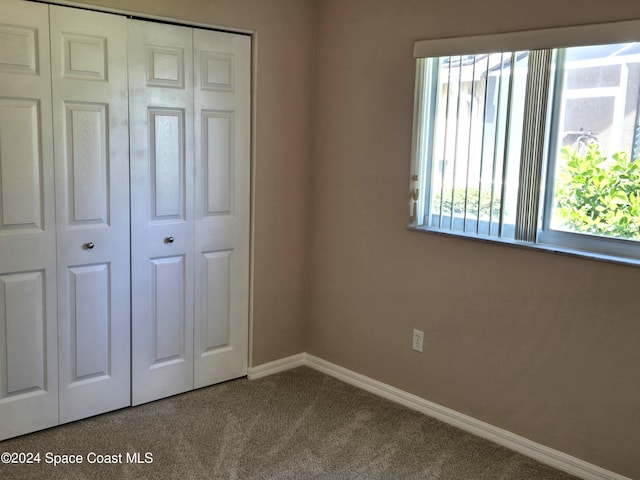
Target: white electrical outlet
x,y
418,340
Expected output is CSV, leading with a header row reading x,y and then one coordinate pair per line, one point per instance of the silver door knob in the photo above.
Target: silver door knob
x,y
89,246
168,240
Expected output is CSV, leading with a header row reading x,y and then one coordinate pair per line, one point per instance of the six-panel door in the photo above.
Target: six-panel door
x,y
28,325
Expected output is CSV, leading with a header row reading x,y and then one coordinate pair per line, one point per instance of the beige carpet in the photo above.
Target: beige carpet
x,y
299,424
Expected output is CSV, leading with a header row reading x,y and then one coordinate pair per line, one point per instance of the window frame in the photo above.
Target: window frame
x,y
544,237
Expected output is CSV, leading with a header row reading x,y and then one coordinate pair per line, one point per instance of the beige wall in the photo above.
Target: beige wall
x,y
283,68
543,345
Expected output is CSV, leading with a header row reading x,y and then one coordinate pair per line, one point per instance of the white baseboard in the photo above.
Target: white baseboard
x,y
546,455
277,366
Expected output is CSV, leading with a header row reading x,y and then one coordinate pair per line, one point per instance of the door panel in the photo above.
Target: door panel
x,y
21,180
161,106
28,327
216,324
20,42
167,163
217,149
90,111
87,163
221,97
23,333
168,309
84,53
90,322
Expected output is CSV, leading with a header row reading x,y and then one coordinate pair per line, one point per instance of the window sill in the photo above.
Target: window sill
x,y
531,246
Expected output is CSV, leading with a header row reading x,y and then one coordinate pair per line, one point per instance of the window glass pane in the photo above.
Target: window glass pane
x,y
475,154
597,175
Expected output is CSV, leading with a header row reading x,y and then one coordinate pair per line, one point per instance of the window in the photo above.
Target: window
x,y
537,144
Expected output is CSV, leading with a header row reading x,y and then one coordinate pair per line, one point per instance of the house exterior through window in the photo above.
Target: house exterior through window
x,y
537,145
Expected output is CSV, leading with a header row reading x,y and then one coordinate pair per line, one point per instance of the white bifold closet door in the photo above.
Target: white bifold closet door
x,y
124,212
28,325
222,205
189,133
161,124
90,115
